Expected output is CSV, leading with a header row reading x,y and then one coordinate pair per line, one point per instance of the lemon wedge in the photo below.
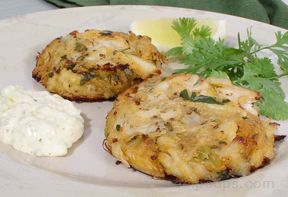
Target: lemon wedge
x,y
165,37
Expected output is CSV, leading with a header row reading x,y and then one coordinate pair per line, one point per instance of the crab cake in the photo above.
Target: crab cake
x,y
96,65
189,129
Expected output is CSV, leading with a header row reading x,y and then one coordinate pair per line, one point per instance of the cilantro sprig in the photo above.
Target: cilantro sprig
x,y
242,64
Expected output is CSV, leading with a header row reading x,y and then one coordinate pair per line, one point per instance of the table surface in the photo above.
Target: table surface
x,y
10,8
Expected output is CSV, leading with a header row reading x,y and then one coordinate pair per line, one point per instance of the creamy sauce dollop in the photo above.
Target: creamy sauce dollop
x,y
38,123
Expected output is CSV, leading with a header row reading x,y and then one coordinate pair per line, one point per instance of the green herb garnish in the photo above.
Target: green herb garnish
x,y
70,66
224,175
51,74
118,127
80,47
201,98
64,57
207,57
184,94
86,77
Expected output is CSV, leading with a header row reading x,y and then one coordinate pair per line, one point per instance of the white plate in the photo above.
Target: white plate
x,y
88,170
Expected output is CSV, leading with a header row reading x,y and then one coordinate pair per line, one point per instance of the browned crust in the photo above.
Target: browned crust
x,y
107,67
178,181
73,98
85,99
278,138
106,146
79,98
110,67
265,162
35,73
36,76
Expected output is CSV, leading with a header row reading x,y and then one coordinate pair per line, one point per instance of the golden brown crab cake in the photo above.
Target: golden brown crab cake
x,y
96,65
189,128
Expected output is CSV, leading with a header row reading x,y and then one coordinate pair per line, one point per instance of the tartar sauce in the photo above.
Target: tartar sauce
x,y
38,123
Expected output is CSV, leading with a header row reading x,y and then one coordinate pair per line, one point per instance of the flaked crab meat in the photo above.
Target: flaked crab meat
x,y
189,129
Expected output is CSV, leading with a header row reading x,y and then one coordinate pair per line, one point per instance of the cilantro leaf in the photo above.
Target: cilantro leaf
x,y
175,52
250,45
263,85
280,49
202,32
273,106
184,26
207,57
259,68
260,75
218,74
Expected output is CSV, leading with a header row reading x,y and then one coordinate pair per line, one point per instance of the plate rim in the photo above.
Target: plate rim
x,y
130,190
10,19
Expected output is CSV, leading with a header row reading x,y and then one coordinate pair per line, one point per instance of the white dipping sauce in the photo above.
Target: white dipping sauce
x,y
38,123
